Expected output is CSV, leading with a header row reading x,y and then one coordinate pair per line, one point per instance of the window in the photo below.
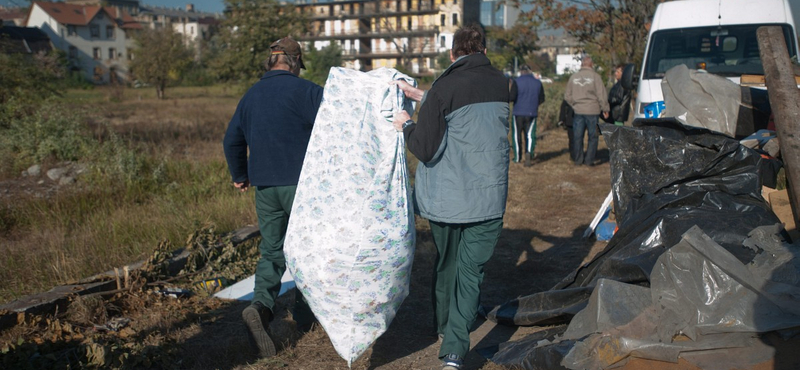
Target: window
x,y
409,24
441,42
455,19
729,52
112,53
96,53
109,32
442,19
94,30
71,30
73,52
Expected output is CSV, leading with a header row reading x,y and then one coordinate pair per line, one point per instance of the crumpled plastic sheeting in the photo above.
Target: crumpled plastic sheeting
x,y
699,288
666,178
350,240
701,299
701,99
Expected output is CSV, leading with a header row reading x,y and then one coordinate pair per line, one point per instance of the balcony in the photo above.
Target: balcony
x,y
420,31
341,11
429,51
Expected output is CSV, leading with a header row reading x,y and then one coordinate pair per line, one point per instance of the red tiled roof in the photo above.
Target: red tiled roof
x,y
124,19
81,15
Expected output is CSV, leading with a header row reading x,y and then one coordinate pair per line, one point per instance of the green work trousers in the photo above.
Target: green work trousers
x,y
462,251
273,206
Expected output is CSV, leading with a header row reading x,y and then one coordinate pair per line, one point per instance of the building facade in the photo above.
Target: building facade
x,y
97,40
387,33
498,13
563,49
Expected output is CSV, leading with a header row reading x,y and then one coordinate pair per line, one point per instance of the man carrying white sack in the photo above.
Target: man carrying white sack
x,y
461,185
274,120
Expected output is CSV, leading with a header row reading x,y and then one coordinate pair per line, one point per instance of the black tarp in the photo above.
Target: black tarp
x,y
665,178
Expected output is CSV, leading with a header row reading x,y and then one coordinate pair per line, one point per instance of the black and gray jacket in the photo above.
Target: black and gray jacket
x,y
461,140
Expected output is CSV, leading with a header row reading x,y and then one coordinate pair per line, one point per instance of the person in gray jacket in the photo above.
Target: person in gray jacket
x,y
586,94
461,185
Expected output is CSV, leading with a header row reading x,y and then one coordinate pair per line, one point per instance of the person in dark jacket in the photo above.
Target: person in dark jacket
x,y
461,185
565,120
619,100
530,94
273,120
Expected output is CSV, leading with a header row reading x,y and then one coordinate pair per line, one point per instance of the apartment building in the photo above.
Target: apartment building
x,y
387,33
96,39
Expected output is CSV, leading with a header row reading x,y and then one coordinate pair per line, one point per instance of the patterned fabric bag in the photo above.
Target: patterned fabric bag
x,y
350,239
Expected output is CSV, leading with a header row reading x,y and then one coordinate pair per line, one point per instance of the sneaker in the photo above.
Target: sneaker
x,y
452,361
257,317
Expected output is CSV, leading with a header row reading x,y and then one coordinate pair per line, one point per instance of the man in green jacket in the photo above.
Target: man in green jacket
x,y
461,184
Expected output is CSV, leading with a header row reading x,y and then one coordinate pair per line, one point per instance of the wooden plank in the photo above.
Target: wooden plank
x,y
784,98
57,298
759,80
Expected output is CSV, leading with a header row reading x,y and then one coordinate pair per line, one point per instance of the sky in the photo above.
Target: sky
x,y
216,6
211,6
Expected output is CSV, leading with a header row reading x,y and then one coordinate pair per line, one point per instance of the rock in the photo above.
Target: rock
x,y
34,170
66,180
79,168
56,173
40,182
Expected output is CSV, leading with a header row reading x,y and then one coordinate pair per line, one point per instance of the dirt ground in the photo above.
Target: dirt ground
x,y
550,205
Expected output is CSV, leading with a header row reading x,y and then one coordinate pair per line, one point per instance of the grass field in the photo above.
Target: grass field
x,y
157,172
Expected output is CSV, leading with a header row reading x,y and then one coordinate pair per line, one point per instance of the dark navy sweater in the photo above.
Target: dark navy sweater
x,y
530,94
274,120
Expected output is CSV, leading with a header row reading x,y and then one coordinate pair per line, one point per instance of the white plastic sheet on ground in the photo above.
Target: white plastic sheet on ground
x,y
350,239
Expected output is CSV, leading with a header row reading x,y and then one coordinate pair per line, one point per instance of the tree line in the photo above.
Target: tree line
x,y
612,31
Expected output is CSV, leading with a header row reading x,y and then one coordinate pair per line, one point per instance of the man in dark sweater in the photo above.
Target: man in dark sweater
x,y
530,94
461,185
274,120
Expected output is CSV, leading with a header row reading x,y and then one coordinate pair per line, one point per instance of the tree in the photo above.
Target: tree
x,y
249,28
517,42
612,31
159,57
319,62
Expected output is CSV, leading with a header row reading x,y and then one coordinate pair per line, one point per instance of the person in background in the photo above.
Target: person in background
x,y
530,94
565,115
461,185
619,99
273,120
587,96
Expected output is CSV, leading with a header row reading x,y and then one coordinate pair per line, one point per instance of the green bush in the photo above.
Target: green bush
x,y
197,76
548,112
52,132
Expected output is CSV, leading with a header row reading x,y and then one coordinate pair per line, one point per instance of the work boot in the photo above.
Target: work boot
x,y
452,361
257,318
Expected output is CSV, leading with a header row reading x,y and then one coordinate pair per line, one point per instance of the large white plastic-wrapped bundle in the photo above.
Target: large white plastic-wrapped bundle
x,y
350,239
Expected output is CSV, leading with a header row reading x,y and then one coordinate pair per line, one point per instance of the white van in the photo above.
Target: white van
x,y
716,35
